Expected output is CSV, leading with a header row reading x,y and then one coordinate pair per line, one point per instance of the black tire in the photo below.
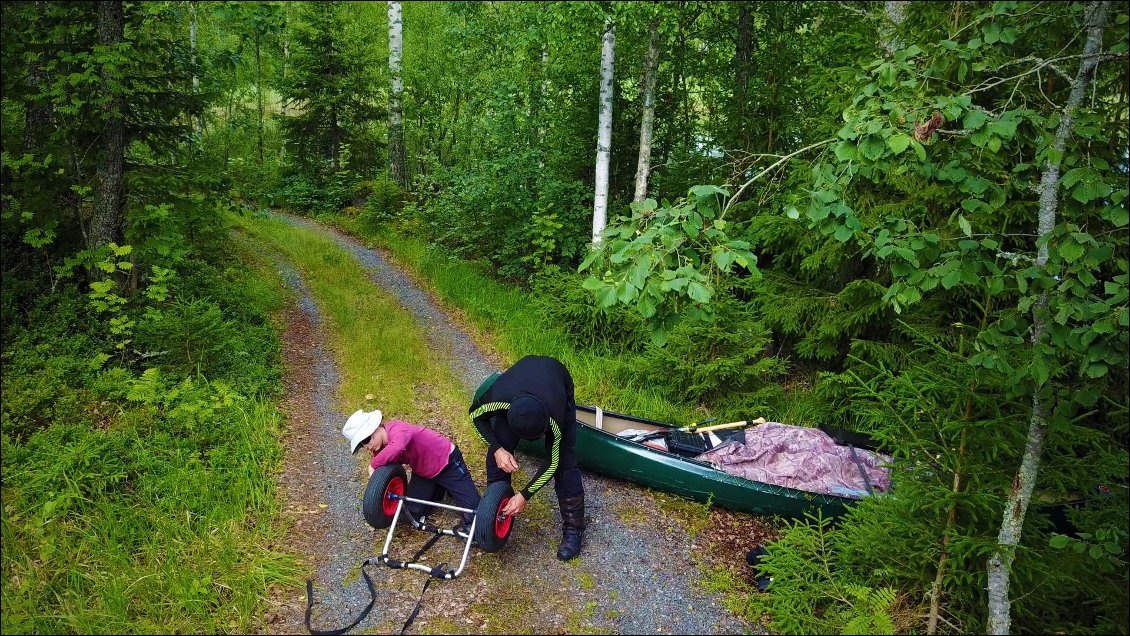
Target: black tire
x,y
379,509
491,533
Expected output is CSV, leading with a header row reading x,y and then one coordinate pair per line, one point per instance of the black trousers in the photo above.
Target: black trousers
x,y
567,479
455,479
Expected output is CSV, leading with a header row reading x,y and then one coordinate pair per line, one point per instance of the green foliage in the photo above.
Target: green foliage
x,y
665,261
332,86
544,230
46,367
384,202
305,197
154,503
712,361
140,475
896,284
811,594
491,212
957,241
562,301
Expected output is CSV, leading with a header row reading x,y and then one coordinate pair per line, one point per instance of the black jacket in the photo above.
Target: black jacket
x,y
548,382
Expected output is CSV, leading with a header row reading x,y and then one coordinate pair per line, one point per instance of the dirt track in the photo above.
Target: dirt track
x,y
636,573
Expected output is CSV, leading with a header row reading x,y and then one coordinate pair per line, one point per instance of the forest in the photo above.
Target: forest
x,y
906,219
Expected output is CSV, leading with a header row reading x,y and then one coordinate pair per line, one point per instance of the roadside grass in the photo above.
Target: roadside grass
x,y
149,507
737,596
378,345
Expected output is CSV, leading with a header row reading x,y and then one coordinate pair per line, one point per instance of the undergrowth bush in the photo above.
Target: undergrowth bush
x,y
710,360
811,594
507,213
562,301
384,202
138,443
141,523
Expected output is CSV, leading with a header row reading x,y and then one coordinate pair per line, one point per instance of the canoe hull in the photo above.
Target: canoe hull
x,y
603,452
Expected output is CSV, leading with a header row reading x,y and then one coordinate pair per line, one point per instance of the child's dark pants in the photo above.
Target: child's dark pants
x,y
454,478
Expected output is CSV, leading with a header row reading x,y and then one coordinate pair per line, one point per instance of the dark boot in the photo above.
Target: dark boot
x,y
573,523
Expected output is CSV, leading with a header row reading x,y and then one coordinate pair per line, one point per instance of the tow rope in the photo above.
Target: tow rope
x,y
373,595
337,632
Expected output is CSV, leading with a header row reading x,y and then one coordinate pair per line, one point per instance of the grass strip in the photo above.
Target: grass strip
x,y
378,345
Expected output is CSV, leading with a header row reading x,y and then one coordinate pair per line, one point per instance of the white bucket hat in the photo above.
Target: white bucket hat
x,y
359,426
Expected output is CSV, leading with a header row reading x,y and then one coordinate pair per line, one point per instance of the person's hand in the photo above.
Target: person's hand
x,y
505,460
371,470
515,506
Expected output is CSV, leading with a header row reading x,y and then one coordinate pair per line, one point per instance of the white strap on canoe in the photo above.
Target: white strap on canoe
x,y
600,418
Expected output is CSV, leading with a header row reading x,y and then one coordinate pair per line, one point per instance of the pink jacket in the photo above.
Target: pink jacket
x,y
423,449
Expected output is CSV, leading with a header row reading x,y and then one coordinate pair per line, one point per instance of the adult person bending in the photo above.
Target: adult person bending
x,y
530,400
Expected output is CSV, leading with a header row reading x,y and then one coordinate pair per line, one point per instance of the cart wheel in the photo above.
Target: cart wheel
x,y
491,532
379,507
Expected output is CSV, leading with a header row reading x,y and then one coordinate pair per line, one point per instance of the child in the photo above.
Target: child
x,y
435,460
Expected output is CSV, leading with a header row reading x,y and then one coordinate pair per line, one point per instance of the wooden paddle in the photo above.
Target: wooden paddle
x,y
695,428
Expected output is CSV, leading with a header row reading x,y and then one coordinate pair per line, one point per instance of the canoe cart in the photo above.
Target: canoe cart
x,y
384,507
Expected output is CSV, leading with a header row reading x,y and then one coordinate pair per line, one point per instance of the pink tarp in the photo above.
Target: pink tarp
x,y
802,458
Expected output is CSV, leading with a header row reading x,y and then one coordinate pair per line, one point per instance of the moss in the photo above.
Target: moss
x,y
738,597
586,579
692,516
576,621
500,612
441,625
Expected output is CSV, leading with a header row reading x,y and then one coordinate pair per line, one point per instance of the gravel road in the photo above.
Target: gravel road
x,y
634,575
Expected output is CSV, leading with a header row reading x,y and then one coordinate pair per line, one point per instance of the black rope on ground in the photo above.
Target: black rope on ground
x,y
337,632
440,570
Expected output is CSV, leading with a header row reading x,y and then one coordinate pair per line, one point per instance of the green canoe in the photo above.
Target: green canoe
x,y
601,450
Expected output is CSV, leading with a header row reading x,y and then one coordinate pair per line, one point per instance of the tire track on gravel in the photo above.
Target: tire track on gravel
x,y
633,576
318,481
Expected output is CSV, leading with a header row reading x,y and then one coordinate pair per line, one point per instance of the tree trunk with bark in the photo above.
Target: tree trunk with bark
x,y
604,131
106,223
39,112
895,12
743,56
1000,564
397,163
198,124
647,122
259,90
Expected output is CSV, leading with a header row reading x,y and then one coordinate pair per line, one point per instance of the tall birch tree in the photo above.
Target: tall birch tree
x,y
198,123
604,130
647,121
397,163
1000,564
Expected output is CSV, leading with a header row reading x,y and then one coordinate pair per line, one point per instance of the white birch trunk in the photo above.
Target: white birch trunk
x,y
396,160
1000,564
895,11
542,106
604,136
286,53
651,63
198,124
